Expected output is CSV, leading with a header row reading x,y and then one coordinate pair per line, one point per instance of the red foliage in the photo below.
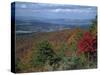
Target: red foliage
x,y
88,43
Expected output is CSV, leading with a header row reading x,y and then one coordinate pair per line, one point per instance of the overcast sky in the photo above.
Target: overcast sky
x,y
54,11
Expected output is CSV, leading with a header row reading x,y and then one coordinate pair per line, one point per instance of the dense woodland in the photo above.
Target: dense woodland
x,y
67,49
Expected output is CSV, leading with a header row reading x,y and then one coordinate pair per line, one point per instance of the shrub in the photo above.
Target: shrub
x,y
44,52
20,66
93,27
62,50
87,43
63,59
74,45
88,46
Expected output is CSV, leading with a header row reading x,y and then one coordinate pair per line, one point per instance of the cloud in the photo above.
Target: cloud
x,y
60,10
86,10
23,6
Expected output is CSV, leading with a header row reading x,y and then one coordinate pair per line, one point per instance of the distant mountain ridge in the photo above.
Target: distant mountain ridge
x,y
40,26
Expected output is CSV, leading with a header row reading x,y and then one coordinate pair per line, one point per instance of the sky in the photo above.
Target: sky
x,y
43,11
